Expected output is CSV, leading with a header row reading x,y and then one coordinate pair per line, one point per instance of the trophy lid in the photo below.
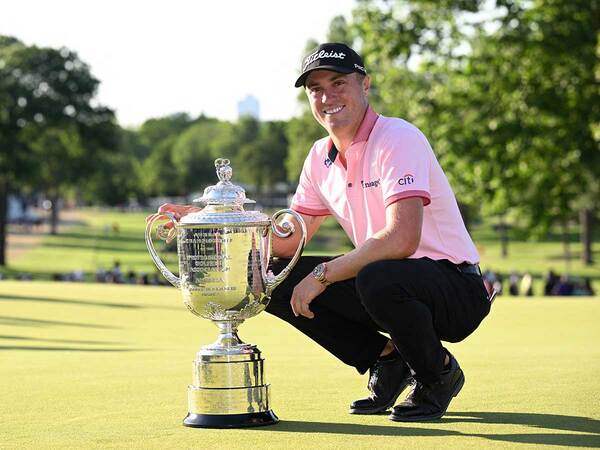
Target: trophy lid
x,y
224,202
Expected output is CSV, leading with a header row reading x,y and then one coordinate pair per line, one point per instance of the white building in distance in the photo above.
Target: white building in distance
x,y
249,106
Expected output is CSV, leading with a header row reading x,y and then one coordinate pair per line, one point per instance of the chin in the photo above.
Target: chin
x,y
337,124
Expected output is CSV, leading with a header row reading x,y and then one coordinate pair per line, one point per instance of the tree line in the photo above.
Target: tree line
x,y
506,91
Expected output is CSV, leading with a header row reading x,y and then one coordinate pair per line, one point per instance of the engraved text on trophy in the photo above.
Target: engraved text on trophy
x,y
222,266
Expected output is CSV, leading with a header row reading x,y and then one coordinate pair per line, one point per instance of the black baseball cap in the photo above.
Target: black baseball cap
x,y
330,56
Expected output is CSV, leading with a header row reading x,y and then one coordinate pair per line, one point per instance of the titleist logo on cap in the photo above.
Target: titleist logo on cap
x,y
332,56
322,54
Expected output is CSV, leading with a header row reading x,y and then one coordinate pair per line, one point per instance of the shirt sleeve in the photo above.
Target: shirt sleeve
x,y
307,200
405,163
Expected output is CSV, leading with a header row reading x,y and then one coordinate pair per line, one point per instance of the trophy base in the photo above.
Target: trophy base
x,y
258,419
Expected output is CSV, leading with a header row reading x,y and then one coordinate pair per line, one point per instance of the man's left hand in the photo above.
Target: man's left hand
x,y
304,293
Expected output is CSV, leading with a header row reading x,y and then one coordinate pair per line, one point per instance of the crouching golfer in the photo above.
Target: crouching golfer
x,y
413,273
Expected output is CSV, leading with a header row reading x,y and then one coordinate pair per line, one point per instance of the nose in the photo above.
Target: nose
x,y
325,96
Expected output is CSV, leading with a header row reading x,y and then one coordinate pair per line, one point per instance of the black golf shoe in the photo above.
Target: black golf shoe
x,y
387,379
430,401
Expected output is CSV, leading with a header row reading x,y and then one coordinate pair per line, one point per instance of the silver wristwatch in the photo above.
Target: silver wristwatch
x,y
319,272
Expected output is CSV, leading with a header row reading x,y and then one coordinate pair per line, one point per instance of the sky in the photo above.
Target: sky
x,y
156,58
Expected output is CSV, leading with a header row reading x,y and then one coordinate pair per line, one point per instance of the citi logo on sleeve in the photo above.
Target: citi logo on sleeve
x,y
406,179
369,184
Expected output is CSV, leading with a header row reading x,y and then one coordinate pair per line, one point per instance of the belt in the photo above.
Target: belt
x,y
469,268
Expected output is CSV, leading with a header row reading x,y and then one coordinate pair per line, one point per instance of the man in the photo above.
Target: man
x,y
413,273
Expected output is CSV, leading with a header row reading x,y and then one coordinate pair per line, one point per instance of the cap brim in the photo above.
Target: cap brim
x,y
302,78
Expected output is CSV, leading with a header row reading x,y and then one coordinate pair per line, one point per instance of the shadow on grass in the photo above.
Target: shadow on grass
x,y
66,349
66,301
547,421
61,341
123,237
535,420
356,429
105,248
22,321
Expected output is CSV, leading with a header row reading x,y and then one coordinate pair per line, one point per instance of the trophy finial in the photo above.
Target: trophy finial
x,y
224,193
224,171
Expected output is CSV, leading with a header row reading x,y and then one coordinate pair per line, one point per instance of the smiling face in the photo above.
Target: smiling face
x,y
338,101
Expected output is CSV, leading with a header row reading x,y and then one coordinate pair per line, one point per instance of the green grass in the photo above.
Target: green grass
x,y
86,366
536,257
91,244
88,245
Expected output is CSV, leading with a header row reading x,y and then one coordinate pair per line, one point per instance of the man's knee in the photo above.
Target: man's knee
x,y
381,282
379,277
372,284
368,280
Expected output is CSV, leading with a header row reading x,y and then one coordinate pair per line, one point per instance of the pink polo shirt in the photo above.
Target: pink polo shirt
x,y
388,160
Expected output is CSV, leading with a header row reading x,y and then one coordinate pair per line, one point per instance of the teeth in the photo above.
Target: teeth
x,y
334,110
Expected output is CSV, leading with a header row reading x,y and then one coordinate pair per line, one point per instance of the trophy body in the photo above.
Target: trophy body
x,y
224,254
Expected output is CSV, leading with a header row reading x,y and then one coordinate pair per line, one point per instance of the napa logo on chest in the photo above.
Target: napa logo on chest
x,y
370,184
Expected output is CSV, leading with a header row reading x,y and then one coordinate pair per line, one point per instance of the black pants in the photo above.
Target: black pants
x,y
418,302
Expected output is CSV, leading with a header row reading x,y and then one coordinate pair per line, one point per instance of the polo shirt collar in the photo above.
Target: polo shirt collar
x,y
362,134
366,126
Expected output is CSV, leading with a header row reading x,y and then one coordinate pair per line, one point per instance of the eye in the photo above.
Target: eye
x,y
339,82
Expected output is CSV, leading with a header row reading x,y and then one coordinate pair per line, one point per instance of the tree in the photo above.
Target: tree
x,y
63,154
301,133
46,89
159,175
154,131
508,98
195,151
260,161
526,104
157,136
118,175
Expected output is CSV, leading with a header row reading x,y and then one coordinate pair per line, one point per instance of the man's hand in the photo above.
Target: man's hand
x,y
178,211
304,293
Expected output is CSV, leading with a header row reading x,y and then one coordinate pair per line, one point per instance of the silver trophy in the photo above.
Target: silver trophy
x,y
224,253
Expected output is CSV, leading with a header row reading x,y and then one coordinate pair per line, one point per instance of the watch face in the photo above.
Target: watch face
x,y
318,271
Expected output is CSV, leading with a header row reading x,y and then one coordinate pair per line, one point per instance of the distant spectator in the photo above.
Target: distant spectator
x,y
490,280
77,275
550,282
587,283
100,275
144,279
584,287
498,283
131,277
155,279
513,283
526,287
563,287
115,274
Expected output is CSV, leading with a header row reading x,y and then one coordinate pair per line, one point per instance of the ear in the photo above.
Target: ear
x,y
366,84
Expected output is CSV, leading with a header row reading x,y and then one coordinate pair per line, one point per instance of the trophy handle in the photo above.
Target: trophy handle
x,y
175,281
288,229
